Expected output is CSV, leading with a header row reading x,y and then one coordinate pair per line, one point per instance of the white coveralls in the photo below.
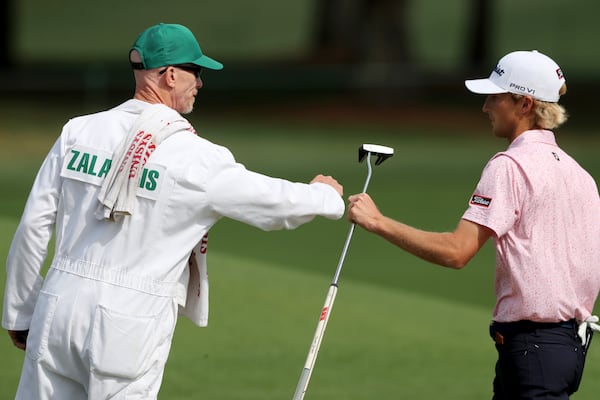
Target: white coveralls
x,y
101,322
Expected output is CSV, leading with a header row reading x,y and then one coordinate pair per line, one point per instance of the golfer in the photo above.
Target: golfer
x,y
131,194
542,211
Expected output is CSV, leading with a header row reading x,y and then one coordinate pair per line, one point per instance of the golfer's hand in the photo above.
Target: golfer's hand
x,y
328,180
19,338
363,211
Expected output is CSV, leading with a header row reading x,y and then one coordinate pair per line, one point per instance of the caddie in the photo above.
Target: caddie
x,y
131,194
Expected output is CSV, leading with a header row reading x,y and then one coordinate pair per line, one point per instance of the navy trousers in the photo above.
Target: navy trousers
x,y
537,360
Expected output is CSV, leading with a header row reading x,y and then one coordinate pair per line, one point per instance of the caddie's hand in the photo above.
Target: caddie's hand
x,y
363,211
19,338
329,180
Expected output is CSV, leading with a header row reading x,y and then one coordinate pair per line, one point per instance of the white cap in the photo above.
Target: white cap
x,y
528,73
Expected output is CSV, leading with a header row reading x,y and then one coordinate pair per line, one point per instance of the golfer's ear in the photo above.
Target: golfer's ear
x,y
528,104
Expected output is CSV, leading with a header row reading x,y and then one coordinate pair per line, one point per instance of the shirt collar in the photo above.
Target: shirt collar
x,y
534,136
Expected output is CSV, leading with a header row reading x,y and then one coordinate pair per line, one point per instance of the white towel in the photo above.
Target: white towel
x,y
196,305
117,195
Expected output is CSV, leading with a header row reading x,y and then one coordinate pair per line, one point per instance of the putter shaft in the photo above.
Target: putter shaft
x,y
365,150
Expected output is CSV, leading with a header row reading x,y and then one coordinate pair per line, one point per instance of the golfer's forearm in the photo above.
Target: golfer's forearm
x,y
436,247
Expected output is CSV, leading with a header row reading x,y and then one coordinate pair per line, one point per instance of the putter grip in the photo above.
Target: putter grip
x,y
316,343
302,384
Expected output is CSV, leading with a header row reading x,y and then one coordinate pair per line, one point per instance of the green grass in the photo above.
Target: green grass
x,y
400,328
380,342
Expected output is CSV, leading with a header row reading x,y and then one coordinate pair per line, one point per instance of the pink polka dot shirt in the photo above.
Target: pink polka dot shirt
x,y
544,209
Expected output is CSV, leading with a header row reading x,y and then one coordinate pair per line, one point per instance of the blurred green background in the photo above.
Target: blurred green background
x,y
297,98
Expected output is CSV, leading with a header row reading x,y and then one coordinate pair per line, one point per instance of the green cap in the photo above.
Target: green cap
x,y
170,44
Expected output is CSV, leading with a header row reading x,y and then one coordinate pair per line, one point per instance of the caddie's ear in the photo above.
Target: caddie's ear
x,y
168,75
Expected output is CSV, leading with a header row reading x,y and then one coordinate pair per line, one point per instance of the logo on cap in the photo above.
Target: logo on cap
x,y
521,88
499,70
559,73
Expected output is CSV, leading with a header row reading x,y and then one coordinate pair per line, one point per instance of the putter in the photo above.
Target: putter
x,y
365,151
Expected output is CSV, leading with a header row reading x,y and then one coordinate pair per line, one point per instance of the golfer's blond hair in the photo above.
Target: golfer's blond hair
x,y
548,115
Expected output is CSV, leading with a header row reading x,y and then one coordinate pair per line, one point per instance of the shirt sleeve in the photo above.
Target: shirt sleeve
x,y
496,201
29,247
268,203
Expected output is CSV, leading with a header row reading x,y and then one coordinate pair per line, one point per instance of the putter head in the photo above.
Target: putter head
x,y
382,152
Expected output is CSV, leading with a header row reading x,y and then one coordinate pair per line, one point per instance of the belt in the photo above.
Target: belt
x,y
500,331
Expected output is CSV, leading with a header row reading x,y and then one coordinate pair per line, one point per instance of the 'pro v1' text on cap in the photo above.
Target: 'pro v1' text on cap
x,y
162,45
528,73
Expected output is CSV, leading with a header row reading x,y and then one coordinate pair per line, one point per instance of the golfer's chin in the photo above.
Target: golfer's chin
x,y
500,133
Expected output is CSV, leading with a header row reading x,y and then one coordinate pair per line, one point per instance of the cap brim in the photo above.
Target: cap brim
x,y
483,86
207,62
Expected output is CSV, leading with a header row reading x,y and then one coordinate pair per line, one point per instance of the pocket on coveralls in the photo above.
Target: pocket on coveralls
x,y
122,345
41,321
